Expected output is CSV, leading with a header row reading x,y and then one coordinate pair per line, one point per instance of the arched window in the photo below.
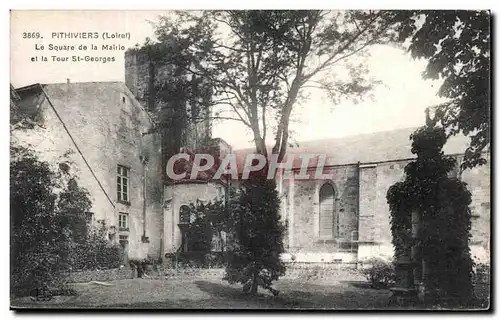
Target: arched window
x,y
327,223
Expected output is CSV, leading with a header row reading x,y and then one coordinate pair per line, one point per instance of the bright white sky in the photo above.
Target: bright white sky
x,y
400,103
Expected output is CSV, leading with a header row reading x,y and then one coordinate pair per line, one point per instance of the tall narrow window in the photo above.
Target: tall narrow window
x,y
123,240
221,192
327,223
184,220
122,184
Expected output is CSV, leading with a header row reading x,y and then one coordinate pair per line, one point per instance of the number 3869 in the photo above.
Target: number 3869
x,y
31,35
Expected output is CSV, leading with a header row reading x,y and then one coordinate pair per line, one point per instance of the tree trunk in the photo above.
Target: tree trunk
x,y
255,283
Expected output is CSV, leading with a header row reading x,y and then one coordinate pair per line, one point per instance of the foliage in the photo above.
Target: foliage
x,y
49,233
442,203
258,63
257,237
481,272
380,273
96,252
179,102
209,219
200,234
194,259
73,204
457,47
39,237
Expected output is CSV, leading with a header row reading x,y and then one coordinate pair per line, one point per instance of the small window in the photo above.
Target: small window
x,y
185,215
123,99
122,184
123,240
123,221
89,217
354,236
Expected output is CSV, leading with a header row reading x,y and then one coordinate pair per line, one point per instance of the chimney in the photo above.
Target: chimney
x,y
67,80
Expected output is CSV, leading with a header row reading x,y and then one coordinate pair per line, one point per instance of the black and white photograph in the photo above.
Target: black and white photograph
x,y
250,160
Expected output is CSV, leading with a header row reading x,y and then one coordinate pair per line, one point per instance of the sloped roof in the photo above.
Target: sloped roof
x,y
365,148
100,97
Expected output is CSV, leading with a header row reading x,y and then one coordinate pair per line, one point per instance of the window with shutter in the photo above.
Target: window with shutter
x,y
327,223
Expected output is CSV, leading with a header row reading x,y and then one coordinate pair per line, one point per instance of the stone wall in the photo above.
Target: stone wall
x,y
100,275
478,183
301,210
138,79
294,271
177,195
106,122
303,216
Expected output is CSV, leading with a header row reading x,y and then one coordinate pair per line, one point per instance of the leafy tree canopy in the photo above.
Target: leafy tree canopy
x,y
259,64
457,47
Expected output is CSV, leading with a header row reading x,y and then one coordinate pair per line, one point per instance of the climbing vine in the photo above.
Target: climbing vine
x,y
178,101
442,202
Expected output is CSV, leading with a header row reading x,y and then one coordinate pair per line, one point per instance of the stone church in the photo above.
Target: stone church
x,y
346,219
100,132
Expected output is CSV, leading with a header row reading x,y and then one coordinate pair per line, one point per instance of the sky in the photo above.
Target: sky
x,y
399,103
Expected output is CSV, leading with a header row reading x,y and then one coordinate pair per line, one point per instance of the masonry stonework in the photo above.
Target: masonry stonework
x,y
107,124
143,76
304,217
94,127
362,208
178,195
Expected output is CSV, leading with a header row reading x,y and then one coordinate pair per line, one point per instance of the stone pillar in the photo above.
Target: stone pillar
x,y
291,195
367,195
415,249
408,272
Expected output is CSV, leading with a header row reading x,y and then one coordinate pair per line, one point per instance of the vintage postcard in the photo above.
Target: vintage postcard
x,y
250,159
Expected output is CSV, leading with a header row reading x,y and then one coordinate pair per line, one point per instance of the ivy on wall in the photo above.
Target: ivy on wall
x,y
443,205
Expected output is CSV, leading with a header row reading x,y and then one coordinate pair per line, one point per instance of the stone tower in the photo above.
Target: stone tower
x,y
142,76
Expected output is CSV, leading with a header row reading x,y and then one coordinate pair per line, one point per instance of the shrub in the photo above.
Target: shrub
x,y
39,237
257,233
442,204
380,273
196,259
481,273
96,252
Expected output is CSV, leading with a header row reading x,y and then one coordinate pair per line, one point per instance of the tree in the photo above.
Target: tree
x,y
259,64
257,232
73,204
39,239
442,203
216,213
457,47
47,223
200,229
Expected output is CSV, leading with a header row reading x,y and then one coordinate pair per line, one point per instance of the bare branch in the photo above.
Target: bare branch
x,y
340,50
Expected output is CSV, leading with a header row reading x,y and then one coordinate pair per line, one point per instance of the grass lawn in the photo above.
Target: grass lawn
x,y
198,293
189,293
